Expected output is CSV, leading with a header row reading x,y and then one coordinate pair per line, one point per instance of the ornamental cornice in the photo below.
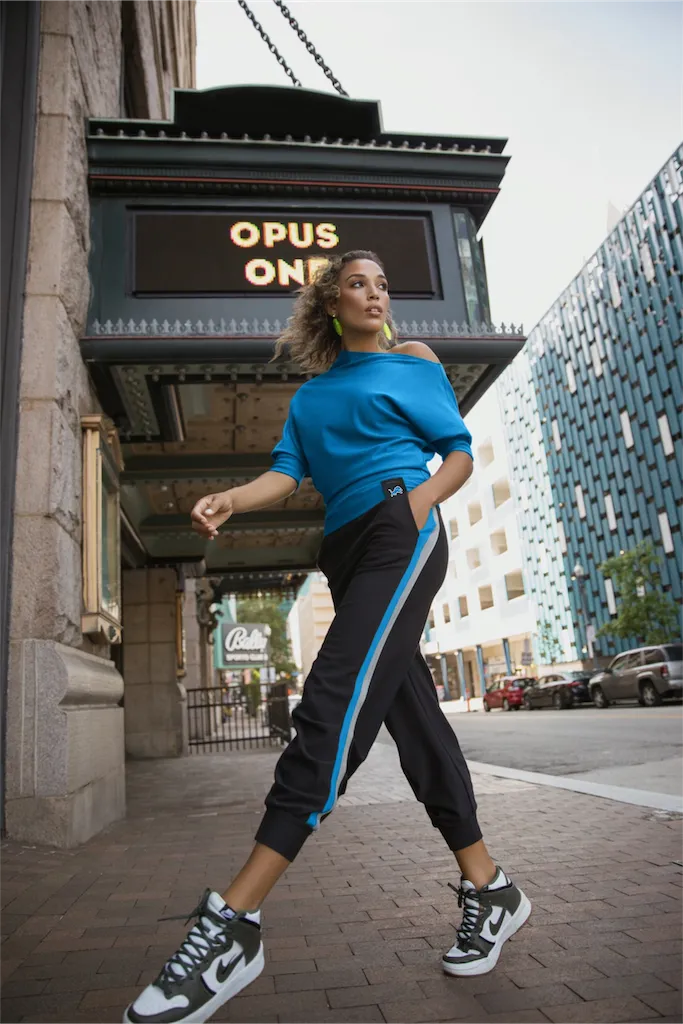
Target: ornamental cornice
x,y
267,329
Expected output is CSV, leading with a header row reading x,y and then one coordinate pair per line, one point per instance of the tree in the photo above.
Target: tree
x,y
269,610
643,610
549,647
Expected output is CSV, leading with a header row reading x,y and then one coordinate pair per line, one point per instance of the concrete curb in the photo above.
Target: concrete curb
x,y
639,797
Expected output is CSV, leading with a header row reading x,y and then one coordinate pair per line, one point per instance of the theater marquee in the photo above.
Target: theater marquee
x,y
240,252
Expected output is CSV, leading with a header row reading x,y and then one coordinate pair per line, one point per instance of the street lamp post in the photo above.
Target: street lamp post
x,y
581,577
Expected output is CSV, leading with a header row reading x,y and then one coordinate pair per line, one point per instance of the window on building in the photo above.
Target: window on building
x,y
453,528
431,621
499,542
609,509
614,290
580,503
473,558
446,613
485,598
562,537
501,492
514,585
665,434
485,453
596,360
665,530
609,593
571,379
556,435
626,428
524,495
646,262
462,605
474,512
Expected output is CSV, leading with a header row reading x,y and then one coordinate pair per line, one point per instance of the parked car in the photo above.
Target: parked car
x,y
506,693
645,674
559,690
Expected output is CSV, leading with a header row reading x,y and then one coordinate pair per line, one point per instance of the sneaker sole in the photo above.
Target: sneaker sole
x,y
232,987
483,966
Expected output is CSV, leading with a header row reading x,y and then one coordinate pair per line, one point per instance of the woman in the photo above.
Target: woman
x,y
364,430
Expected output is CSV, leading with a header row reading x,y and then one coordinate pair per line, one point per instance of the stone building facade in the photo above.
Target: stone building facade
x,y
64,717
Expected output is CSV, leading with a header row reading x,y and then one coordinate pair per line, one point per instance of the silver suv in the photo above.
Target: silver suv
x,y
645,674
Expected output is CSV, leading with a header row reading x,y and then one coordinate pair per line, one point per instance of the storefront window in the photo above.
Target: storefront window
x,y
102,464
111,559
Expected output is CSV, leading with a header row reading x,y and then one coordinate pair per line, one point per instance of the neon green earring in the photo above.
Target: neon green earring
x,y
337,326
387,331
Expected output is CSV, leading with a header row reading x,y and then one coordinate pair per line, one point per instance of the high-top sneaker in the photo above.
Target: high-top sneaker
x,y
491,915
221,955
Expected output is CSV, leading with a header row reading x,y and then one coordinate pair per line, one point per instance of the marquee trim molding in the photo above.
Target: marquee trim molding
x,y
267,329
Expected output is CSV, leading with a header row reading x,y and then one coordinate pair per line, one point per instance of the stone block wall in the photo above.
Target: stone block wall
x,y
64,744
154,698
150,30
194,638
65,765
65,756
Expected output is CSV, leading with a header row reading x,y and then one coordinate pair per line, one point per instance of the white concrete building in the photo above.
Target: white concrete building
x,y
482,620
309,620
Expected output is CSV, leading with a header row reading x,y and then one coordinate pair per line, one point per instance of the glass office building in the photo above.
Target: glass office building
x,y
592,410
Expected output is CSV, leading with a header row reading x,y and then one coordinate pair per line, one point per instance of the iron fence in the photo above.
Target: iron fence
x,y
237,717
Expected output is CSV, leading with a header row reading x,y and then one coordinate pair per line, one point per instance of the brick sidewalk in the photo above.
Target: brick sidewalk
x,y
355,931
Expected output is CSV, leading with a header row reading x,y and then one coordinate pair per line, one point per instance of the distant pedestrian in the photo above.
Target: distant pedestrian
x,y
364,429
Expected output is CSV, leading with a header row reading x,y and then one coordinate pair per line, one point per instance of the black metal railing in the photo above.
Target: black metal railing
x,y
237,717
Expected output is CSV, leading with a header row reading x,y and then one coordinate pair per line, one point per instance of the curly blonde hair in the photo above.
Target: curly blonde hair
x,y
313,343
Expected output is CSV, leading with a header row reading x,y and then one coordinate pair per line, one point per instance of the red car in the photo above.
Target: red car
x,y
507,693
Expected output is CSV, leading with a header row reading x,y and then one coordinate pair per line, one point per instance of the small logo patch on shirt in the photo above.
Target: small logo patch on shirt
x,y
393,488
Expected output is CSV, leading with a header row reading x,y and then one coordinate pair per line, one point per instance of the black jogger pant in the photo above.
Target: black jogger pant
x,y
383,574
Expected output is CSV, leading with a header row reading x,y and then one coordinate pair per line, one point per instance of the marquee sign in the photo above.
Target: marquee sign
x,y
242,252
243,645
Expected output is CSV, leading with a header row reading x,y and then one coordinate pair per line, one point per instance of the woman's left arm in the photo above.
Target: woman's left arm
x,y
434,410
453,473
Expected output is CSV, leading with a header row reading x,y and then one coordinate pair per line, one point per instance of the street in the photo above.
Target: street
x,y
623,745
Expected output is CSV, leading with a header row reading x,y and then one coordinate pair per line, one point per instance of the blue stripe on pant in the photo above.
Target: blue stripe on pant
x,y
427,538
383,574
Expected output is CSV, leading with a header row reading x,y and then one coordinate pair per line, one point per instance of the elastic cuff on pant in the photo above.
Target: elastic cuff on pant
x,y
465,833
283,833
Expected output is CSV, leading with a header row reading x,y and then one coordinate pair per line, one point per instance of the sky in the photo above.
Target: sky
x,y
589,95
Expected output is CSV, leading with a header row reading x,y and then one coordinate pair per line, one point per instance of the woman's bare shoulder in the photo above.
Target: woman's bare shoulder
x,y
417,349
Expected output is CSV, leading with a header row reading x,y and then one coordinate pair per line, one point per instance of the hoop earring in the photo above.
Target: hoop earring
x,y
337,326
387,331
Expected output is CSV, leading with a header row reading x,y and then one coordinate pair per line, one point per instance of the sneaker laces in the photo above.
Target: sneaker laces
x,y
206,936
470,900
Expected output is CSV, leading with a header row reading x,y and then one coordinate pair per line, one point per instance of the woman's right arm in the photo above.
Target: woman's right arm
x,y
213,510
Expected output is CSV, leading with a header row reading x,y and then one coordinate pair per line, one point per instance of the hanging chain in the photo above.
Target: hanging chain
x,y
269,43
287,14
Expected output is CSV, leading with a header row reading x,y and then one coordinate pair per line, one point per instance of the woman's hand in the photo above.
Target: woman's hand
x,y
420,505
211,512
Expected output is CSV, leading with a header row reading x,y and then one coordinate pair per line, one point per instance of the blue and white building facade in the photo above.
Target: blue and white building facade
x,y
592,409
482,620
